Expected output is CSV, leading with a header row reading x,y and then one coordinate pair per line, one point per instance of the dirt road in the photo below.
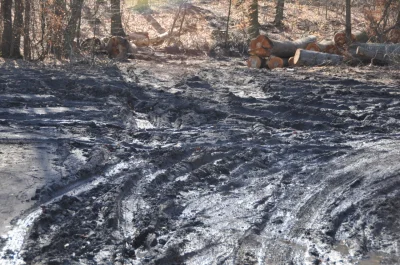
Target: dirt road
x,y
199,163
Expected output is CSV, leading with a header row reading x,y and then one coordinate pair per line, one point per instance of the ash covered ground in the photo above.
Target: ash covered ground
x,y
198,163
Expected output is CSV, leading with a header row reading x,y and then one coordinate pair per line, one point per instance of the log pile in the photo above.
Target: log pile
x,y
270,53
276,53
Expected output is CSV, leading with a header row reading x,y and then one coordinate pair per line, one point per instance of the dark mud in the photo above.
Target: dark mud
x,y
207,164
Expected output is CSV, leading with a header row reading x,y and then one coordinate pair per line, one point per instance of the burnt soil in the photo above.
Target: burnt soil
x,y
199,163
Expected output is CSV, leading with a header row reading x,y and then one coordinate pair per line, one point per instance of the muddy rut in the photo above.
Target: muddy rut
x,y
208,165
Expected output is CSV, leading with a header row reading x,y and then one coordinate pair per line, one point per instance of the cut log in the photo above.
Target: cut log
x,y
276,62
261,41
313,47
312,58
291,62
261,52
255,62
120,48
327,46
378,47
357,36
379,56
140,39
372,48
340,39
286,49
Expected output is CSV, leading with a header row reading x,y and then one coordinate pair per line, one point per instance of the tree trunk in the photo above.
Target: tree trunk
x,y
57,38
286,49
254,26
227,24
348,22
279,12
116,21
7,35
312,58
18,29
27,38
76,11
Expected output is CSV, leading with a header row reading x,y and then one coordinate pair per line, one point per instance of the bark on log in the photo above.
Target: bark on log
x,y
312,58
355,58
379,56
378,47
286,49
275,62
313,47
255,62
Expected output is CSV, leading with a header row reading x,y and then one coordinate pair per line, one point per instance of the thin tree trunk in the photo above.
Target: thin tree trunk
x,y
279,12
70,32
116,21
59,11
227,24
27,40
6,39
254,28
18,29
348,21
42,25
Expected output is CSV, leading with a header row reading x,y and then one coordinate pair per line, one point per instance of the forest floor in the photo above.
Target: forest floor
x,y
199,161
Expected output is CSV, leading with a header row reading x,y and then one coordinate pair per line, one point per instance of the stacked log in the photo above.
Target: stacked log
x,y
266,52
255,62
276,53
277,62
